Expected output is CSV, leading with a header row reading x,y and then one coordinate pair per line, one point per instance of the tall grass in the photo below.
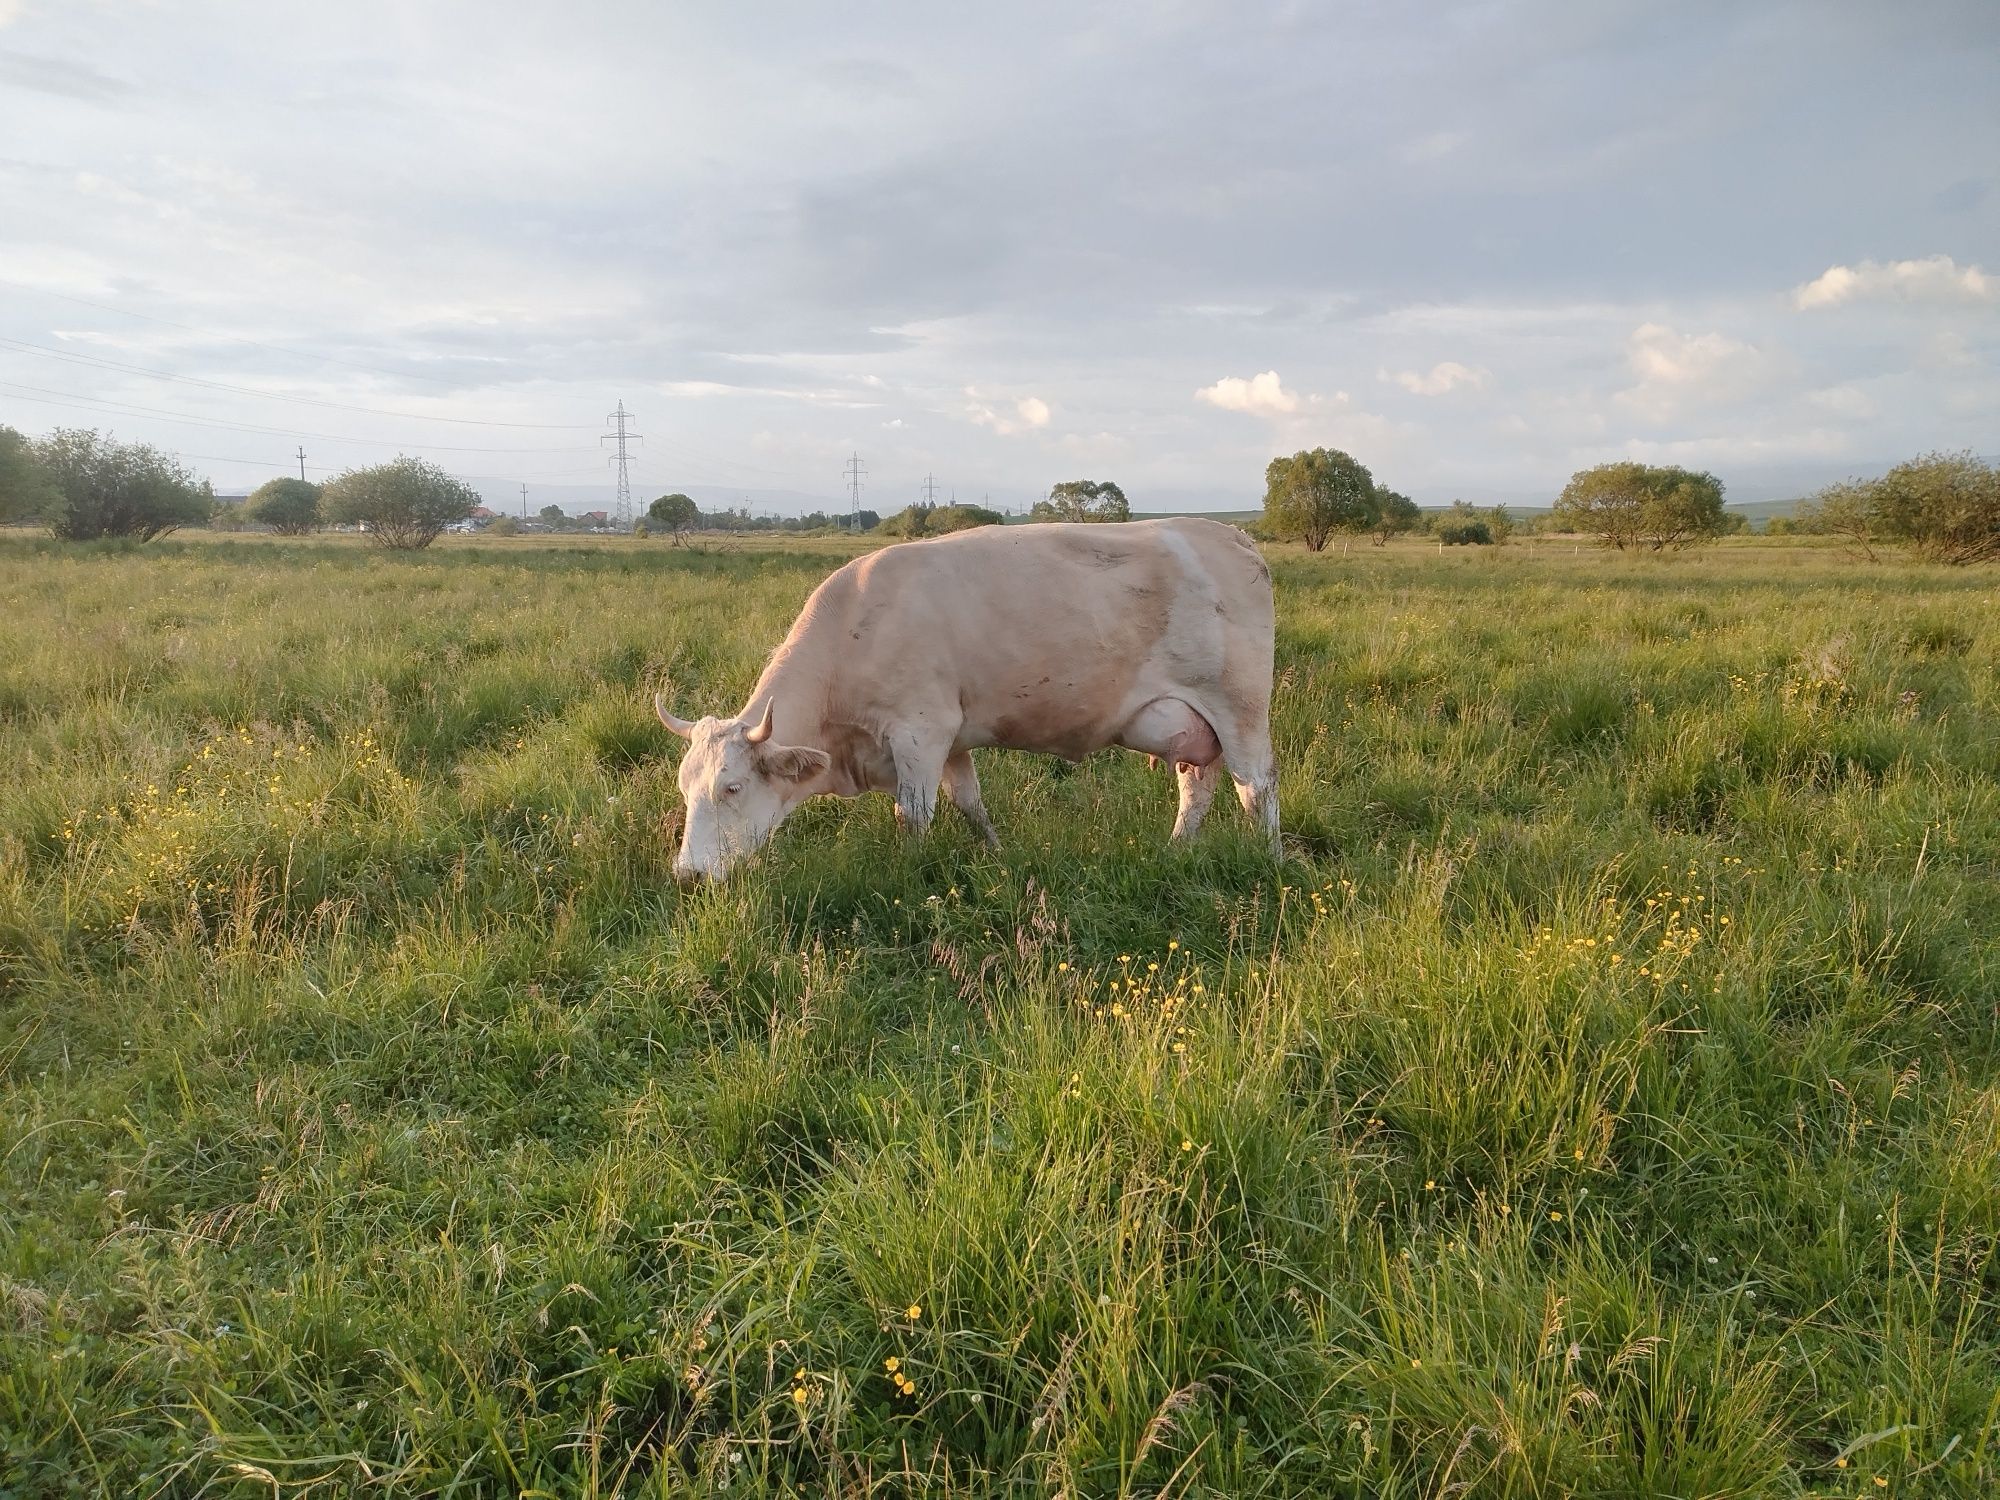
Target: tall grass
x,y
1602,1099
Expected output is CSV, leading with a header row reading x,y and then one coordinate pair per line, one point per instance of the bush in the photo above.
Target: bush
x,y
289,507
1943,506
508,526
25,490
403,504
937,520
1466,526
100,487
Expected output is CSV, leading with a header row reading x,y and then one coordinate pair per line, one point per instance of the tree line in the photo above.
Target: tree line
x,y
1944,507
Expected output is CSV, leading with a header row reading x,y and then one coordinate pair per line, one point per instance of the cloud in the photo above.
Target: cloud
x,y
1442,379
1262,395
1936,278
54,75
1679,370
1030,412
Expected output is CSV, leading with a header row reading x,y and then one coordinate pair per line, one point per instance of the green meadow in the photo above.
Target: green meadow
x,y
1602,1098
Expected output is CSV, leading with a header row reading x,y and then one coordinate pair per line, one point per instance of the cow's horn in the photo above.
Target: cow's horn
x,y
762,732
680,727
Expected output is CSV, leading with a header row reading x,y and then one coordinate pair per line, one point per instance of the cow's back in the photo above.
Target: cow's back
x,y
1046,637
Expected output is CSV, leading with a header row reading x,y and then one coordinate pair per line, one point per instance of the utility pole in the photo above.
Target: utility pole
x,y
524,502
854,471
619,434
302,463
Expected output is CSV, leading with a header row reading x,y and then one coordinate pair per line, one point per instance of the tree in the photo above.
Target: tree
x,y
503,526
25,488
677,513
1313,494
289,507
1083,500
1395,514
553,516
101,487
404,503
1499,523
1632,504
1944,506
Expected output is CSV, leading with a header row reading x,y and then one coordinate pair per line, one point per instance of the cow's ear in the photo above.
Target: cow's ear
x,y
792,762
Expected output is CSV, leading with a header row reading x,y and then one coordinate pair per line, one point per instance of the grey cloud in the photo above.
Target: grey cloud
x,y
63,78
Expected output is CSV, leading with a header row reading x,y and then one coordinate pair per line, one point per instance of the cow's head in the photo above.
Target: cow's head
x,y
738,786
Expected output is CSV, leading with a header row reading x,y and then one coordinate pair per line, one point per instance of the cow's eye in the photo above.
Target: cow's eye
x,y
732,789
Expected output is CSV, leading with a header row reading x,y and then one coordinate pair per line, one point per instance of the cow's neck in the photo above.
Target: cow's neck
x,y
797,687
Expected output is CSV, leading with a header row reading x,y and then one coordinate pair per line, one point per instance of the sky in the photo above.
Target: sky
x,y
1478,246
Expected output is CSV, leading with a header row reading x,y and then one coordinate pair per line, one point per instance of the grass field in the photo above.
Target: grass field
x,y
1603,1099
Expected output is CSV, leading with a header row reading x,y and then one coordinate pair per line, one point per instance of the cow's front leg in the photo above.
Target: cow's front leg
x,y
920,762
961,784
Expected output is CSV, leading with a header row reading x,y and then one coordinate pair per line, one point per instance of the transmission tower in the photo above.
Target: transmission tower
x,y
854,471
619,434
930,490
524,502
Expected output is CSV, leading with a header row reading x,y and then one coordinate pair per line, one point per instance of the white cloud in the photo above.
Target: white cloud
x,y
1442,379
12,11
1936,278
1029,413
1264,395
1661,356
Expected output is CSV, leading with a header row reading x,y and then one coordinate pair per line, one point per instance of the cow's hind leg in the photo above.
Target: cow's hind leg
x,y
1254,769
961,784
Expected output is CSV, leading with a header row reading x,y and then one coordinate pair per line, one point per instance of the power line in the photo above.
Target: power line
x,y
619,434
43,351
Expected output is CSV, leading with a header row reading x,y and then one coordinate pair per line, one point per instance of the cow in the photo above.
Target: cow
x,y
1063,638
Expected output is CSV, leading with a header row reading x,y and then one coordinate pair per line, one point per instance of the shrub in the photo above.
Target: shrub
x,y
1465,526
936,520
403,504
100,487
289,507
508,526
25,489
1943,506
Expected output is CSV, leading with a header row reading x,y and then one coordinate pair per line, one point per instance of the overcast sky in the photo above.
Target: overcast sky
x,y
1478,246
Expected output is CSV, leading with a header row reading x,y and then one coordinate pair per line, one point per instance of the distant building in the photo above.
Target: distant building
x,y
481,513
596,517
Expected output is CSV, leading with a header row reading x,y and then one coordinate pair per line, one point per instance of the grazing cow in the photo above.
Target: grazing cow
x,y
1064,639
